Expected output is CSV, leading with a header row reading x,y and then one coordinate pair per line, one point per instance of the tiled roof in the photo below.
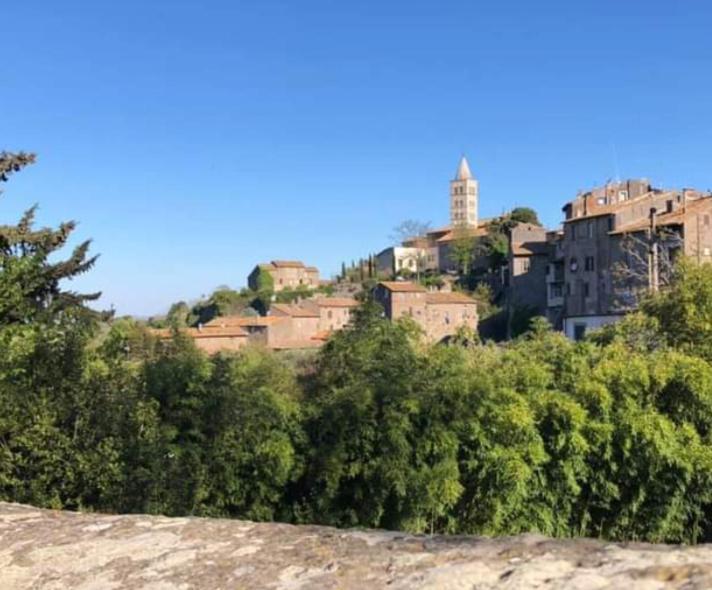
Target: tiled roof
x,y
295,311
442,298
311,268
675,217
288,264
472,232
598,211
530,248
335,302
211,332
403,287
233,320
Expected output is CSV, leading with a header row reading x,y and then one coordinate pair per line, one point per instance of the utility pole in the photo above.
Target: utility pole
x,y
653,254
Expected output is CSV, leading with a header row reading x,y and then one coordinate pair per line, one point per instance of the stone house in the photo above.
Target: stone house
x,y
614,245
213,340
286,274
447,312
440,315
527,265
334,312
307,324
271,331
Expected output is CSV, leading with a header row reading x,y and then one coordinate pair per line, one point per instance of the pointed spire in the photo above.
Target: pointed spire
x,y
463,170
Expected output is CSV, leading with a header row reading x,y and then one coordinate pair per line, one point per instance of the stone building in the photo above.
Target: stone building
x,y
439,314
320,314
289,326
527,265
286,274
615,245
273,332
228,338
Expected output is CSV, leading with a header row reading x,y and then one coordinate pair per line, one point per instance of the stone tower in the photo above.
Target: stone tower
x,y
464,196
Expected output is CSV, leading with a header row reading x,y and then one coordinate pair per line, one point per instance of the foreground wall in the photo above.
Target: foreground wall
x,y
60,550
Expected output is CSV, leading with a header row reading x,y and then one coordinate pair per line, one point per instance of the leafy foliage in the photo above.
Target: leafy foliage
x,y
610,437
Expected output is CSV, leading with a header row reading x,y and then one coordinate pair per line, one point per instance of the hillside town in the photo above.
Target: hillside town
x,y
617,242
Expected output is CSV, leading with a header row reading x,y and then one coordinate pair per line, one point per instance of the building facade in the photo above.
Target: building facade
x,y
619,242
286,274
440,315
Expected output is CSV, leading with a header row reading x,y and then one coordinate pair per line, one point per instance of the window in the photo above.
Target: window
x,y
668,206
556,291
590,229
589,264
526,264
573,264
329,314
579,331
610,223
586,291
569,289
622,195
573,232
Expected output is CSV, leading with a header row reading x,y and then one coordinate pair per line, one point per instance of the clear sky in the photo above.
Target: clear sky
x,y
194,139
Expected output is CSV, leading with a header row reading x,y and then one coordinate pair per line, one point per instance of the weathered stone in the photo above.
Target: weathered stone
x,y
42,549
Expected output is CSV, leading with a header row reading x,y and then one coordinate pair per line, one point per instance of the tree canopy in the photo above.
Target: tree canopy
x,y
610,437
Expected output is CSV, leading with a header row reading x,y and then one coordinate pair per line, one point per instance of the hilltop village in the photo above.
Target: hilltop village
x,y
617,242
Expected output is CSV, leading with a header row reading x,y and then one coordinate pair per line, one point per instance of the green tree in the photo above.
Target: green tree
x,y
30,284
524,215
462,248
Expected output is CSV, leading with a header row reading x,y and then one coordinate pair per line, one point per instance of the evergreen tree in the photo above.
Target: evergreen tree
x,y
30,284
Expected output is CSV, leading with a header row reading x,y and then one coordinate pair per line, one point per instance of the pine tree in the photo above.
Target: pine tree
x,y
29,282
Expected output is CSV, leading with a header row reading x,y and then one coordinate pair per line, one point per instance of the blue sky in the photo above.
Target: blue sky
x,y
194,139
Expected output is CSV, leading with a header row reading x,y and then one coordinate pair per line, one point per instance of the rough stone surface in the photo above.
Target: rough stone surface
x,y
42,549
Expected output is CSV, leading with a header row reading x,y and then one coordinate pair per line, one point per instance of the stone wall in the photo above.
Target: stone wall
x,y
41,549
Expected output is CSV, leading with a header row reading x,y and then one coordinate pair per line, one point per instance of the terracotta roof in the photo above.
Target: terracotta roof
x,y
472,232
295,311
530,248
233,320
311,268
442,298
335,302
610,209
287,264
403,287
675,217
211,332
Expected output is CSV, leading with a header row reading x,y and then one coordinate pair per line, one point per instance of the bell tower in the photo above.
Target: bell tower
x,y
464,196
